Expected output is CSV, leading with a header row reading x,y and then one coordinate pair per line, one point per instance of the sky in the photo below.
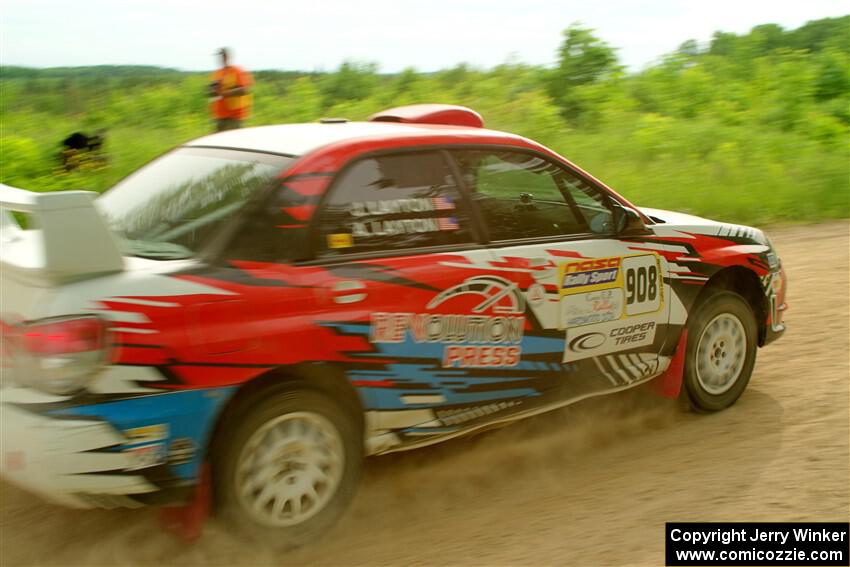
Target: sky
x,y
319,35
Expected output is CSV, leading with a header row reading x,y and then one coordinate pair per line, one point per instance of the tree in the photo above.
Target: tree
x,y
583,59
353,81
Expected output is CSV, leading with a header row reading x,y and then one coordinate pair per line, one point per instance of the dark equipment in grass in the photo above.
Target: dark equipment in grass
x,y
81,151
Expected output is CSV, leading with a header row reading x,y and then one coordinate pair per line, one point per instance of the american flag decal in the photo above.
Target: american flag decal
x,y
448,223
442,203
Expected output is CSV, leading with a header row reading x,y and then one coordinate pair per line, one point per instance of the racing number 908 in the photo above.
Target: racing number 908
x,y
641,284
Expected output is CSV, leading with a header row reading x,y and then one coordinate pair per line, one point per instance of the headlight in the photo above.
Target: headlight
x,y
773,261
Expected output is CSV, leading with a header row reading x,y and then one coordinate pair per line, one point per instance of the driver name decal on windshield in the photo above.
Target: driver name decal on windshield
x,y
403,226
394,206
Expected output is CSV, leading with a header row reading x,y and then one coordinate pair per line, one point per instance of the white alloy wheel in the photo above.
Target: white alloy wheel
x,y
290,469
721,352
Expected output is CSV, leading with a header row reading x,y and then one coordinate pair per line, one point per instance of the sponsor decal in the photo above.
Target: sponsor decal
x,y
395,206
458,356
147,433
587,341
438,328
472,341
145,456
459,415
591,307
604,289
181,451
342,240
485,340
605,338
589,275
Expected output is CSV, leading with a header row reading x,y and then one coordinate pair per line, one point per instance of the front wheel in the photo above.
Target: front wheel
x,y
289,466
721,351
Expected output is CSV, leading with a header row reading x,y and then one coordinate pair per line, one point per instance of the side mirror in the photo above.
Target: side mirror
x,y
626,219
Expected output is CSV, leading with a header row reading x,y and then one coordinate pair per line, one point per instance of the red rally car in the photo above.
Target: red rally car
x,y
257,310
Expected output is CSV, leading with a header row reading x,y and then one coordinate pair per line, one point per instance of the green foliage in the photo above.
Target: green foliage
x,y
584,59
751,128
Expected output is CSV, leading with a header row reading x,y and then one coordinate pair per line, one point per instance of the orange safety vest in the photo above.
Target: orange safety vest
x,y
231,106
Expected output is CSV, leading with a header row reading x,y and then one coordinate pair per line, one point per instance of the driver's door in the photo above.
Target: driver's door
x,y
596,305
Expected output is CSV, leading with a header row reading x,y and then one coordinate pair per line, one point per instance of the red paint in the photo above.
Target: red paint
x,y
519,263
308,186
187,522
302,212
373,383
564,253
669,384
446,114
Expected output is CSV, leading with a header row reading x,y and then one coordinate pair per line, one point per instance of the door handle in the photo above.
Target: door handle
x,y
348,291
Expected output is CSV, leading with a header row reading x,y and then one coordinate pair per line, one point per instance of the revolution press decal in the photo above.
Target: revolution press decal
x,y
487,333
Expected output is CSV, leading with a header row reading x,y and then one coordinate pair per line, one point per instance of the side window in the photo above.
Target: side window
x,y
266,233
522,195
591,203
393,202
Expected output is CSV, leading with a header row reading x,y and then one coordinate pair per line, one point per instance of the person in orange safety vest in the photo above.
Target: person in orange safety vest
x,y
230,92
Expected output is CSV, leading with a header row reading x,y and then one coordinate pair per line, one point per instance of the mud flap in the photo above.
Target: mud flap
x,y
669,384
187,522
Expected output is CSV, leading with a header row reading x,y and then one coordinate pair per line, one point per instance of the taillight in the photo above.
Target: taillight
x,y
68,336
58,355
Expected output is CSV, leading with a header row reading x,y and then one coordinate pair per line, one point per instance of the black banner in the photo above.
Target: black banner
x,y
757,543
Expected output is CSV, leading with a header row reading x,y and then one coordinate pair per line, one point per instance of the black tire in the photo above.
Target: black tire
x,y
707,364
287,408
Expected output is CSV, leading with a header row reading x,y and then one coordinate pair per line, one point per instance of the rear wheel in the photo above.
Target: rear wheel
x,y
721,351
288,466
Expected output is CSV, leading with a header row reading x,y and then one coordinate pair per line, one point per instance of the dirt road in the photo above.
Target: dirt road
x,y
590,485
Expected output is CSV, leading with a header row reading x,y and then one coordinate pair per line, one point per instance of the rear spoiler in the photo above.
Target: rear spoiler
x,y
68,240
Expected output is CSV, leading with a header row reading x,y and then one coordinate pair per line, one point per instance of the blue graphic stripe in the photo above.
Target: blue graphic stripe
x,y
188,413
451,383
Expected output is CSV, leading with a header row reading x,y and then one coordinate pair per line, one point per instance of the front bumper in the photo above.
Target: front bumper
x,y
777,286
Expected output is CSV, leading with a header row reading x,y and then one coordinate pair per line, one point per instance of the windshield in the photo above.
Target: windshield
x,y
173,206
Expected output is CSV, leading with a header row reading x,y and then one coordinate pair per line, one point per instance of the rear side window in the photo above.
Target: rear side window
x,y
178,203
393,202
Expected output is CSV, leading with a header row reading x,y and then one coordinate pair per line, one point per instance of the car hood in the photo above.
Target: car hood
x,y
672,220
673,217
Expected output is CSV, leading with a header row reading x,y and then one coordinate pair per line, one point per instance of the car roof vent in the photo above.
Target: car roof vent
x,y
333,120
448,114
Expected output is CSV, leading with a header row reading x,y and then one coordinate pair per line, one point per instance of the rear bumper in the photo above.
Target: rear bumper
x,y
64,461
141,450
